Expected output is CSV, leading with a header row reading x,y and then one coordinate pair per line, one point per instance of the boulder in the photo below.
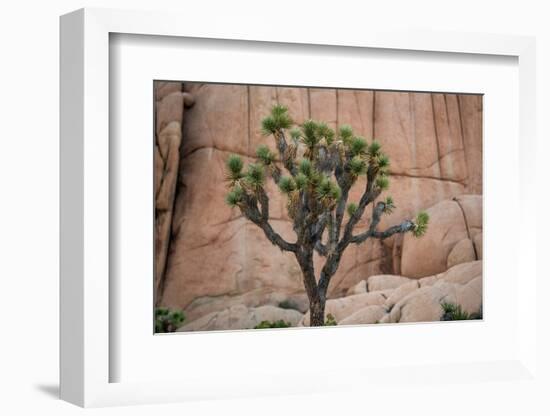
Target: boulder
x,y
462,252
241,317
368,315
359,288
205,305
451,223
461,274
422,305
400,292
341,308
385,281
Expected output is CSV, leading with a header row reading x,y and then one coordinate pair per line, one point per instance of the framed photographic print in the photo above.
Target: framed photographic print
x,y
372,216
235,208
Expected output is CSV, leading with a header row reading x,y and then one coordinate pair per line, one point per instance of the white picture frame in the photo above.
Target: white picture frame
x,y
85,164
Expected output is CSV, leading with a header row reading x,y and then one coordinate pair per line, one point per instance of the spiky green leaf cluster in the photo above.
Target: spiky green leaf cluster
x,y
421,224
454,312
295,133
358,145
352,208
374,148
306,167
255,175
309,136
357,166
287,184
383,182
266,156
301,181
328,190
389,205
383,161
346,133
315,133
234,168
279,119
234,196
325,132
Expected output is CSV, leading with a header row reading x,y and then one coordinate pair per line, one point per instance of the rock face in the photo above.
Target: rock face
x,y
170,104
214,259
241,317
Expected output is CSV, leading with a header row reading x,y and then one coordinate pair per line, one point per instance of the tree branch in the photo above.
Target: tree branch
x,y
321,249
340,209
249,208
404,227
368,196
284,149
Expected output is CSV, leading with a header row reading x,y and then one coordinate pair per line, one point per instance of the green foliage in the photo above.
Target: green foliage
x,y
330,321
278,120
452,312
327,190
281,117
273,324
306,167
389,205
346,133
374,148
383,162
234,167
265,155
358,146
421,224
301,180
352,208
325,132
268,126
383,182
255,175
310,137
167,320
287,184
295,133
357,166
234,196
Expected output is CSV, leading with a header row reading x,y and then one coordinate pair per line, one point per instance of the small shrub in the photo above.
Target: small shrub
x,y
330,321
452,312
273,324
167,320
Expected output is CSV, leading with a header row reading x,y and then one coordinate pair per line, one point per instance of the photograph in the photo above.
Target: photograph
x,y
281,206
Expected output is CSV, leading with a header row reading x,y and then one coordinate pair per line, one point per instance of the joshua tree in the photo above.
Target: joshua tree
x,y
317,186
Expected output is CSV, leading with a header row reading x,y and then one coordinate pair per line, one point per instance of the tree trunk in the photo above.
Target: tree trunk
x,y
316,312
316,298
